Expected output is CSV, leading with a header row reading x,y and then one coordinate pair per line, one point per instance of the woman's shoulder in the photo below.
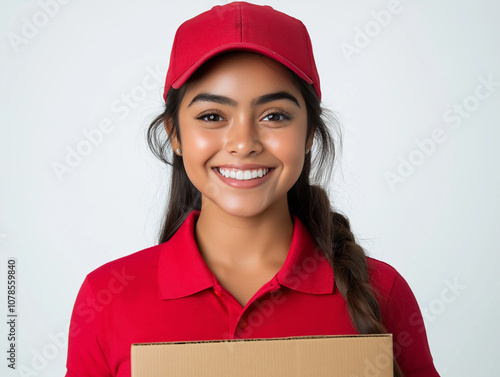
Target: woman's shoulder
x,y
391,288
127,268
384,277
381,271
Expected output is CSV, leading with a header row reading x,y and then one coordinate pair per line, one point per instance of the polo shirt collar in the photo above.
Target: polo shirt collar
x,y
182,270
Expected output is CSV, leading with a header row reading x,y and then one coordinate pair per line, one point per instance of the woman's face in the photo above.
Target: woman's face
x,y
243,117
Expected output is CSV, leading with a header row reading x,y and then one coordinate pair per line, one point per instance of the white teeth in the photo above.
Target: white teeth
x,y
243,175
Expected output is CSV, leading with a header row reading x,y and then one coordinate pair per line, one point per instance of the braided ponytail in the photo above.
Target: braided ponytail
x,y
331,230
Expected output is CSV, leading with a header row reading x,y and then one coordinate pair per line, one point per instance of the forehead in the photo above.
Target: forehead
x,y
242,67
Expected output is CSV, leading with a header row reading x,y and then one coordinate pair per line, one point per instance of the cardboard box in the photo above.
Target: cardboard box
x,y
317,356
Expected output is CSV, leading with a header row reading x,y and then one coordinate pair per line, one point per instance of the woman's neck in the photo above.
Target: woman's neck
x,y
244,243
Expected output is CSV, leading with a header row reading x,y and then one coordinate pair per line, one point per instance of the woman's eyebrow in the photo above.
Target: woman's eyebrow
x,y
274,97
208,97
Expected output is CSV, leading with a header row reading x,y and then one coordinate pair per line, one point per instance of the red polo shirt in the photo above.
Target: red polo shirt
x,y
167,293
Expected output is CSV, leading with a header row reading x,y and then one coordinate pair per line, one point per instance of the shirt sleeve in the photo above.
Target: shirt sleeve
x,y
405,322
85,355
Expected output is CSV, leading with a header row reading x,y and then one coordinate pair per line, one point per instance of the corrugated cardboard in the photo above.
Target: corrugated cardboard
x,y
318,356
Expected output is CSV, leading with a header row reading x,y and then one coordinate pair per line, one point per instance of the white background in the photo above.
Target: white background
x,y
438,226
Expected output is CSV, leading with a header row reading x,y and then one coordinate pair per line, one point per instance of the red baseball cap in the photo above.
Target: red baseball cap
x,y
241,26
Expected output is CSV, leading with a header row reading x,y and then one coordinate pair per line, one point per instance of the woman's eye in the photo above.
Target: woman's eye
x,y
211,117
276,117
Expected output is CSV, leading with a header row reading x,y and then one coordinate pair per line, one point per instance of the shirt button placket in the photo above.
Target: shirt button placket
x,y
234,311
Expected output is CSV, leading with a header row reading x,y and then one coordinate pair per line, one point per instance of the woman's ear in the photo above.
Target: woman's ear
x,y
309,141
172,136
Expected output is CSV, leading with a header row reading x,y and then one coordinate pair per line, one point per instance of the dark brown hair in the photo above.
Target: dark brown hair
x,y
309,202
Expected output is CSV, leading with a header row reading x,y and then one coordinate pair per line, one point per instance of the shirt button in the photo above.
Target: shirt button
x,y
243,324
217,292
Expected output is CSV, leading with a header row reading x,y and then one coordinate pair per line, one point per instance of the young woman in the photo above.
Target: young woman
x,y
249,247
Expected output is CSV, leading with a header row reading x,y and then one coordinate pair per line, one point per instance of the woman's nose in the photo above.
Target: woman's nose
x,y
243,137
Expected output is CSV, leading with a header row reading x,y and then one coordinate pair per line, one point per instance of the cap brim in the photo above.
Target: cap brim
x,y
238,47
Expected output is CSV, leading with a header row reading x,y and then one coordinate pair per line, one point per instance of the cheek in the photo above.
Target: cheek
x,y
198,146
288,148
196,141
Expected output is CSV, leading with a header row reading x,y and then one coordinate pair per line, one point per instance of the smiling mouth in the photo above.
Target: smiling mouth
x,y
243,175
